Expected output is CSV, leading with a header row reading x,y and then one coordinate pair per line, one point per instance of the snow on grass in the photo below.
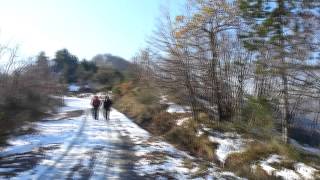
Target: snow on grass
x,y
157,146
301,170
305,171
274,158
287,174
200,133
225,175
175,108
266,164
229,175
172,166
181,121
163,99
228,143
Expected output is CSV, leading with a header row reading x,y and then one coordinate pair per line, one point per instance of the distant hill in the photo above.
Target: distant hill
x,y
111,61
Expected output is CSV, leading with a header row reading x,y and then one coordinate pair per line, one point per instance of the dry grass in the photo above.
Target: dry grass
x,y
240,163
187,163
162,123
128,105
148,113
186,138
203,169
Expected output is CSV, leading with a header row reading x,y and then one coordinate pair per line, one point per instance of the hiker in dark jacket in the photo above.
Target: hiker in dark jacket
x,y
95,102
107,107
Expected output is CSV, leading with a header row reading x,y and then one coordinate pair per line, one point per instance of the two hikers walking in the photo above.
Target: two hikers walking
x,y
95,102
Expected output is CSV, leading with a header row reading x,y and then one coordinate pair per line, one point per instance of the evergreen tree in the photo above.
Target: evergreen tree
x,y
285,30
66,64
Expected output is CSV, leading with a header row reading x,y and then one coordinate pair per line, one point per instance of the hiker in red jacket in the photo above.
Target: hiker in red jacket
x,y
95,102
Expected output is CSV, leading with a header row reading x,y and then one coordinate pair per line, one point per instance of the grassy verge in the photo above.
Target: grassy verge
x,y
257,150
142,105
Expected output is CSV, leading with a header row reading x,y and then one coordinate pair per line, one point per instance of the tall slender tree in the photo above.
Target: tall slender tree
x,y
284,31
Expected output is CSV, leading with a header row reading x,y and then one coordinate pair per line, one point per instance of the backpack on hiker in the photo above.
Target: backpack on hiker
x,y
107,104
96,102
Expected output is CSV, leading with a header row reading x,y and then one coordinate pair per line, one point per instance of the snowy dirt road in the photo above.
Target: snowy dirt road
x,y
80,147
70,148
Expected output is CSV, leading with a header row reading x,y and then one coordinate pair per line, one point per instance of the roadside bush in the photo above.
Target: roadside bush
x,y
25,95
146,97
162,122
122,89
257,118
116,90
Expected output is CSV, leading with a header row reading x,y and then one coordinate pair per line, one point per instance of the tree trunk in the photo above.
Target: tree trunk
x,y
285,120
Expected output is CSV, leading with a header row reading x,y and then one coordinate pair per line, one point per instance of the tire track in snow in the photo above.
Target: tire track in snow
x,y
112,167
69,148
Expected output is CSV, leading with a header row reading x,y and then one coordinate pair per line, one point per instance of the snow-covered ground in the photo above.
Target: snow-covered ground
x,y
228,143
160,159
73,88
74,103
173,107
181,121
300,170
75,147
81,147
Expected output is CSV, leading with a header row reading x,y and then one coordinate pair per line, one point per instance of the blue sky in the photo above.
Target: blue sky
x,y
84,27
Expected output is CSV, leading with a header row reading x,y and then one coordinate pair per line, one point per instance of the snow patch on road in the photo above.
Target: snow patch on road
x,y
75,103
